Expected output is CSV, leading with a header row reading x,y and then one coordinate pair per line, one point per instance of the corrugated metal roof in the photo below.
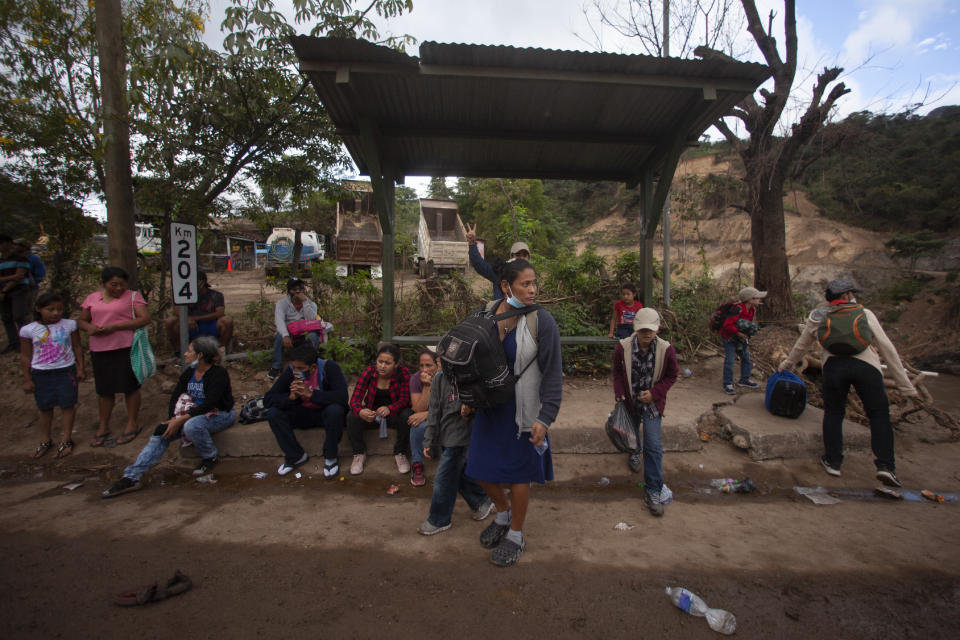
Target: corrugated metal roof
x,y
475,110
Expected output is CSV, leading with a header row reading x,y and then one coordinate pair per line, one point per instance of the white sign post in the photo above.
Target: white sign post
x,y
183,273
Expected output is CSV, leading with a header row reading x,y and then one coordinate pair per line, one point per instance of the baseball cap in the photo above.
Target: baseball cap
x,y
840,286
646,318
517,247
749,293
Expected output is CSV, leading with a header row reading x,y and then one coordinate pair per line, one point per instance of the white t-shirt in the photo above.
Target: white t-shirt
x,y
51,344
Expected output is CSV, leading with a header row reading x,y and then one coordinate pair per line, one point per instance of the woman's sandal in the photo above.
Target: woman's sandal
x,y
42,449
99,439
129,437
160,590
65,449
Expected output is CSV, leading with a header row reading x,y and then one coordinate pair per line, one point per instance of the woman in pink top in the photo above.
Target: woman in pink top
x,y
110,316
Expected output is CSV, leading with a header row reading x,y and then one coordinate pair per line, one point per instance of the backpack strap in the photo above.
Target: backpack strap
x,y
321,363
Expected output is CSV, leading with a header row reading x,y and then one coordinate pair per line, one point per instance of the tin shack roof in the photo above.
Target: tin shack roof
x,y
495,111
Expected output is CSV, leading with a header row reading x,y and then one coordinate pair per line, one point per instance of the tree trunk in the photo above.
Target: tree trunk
x,y
118,184
295,257
771,271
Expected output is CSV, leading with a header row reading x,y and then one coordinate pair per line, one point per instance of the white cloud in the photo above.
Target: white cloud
x,y
889,24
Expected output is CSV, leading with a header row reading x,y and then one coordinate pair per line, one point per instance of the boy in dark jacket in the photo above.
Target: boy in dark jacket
x,y
448,433
310,393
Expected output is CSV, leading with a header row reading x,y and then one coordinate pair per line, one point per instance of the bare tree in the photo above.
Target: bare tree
x,y
711,23
767,157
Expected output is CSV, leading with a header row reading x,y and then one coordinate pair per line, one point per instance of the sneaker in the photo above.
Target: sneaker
x,y
750,384
635,461
272,374
729,389
493,534
888,477
330,468
121,486
829,468
356,467
285,468
428,529
417,479
484,510
185,442
507,553
652,502
403,465
206,465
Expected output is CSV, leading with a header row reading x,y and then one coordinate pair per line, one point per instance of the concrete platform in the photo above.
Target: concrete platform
x,y
765,436
579,429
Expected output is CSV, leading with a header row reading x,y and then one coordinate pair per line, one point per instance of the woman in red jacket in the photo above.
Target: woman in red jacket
x,y
643,385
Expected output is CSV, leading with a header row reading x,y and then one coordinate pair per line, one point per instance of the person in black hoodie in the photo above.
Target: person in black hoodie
x,y
310,393
201,404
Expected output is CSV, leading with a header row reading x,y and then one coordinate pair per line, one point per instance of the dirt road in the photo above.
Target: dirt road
x,y
302,557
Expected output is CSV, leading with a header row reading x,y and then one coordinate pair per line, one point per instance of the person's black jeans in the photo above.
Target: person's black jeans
x,y
839,373
356,427
284,421
15,312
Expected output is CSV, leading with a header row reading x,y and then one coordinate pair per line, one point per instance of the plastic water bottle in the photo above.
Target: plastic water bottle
x,y
383,426
542,447
719,620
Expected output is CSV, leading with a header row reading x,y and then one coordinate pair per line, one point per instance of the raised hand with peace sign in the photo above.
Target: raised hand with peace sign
x,y
472,233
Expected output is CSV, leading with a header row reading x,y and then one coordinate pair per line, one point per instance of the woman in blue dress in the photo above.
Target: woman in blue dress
x,y
509,446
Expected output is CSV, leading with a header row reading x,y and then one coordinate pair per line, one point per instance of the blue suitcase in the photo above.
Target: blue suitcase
x,y
786,394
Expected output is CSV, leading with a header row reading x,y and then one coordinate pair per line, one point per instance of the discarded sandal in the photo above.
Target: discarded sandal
x,y
159,590
99,439
42,449
65,449
129,437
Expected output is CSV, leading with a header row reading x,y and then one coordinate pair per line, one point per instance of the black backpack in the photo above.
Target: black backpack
x,y
472,355
252,411
721,313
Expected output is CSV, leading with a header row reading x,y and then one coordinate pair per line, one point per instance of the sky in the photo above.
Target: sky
x,y
895,53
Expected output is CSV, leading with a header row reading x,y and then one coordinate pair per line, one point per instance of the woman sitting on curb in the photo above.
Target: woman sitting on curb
x,y
420,383
381,397
201,404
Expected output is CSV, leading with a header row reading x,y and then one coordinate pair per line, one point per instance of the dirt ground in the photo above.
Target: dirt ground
x,y
288,557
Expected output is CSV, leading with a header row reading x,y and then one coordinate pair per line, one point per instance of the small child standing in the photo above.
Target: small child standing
x,y
735,334
624,309
52,362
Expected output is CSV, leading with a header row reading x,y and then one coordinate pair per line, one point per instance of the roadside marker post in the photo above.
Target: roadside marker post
x,y
183,274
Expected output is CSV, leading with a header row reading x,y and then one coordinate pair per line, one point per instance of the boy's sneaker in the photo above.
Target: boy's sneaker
x,y
356,467
507,553
428,529
417,478
120,487
829,468
750,384
484,510
330,468
272,374
729,389
206,465
888,477
285,468
652,501
635,461
403,465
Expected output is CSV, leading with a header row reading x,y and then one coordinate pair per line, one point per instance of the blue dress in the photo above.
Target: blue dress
x,y
495,453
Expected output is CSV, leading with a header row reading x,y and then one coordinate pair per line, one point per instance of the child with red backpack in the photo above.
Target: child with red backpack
x,y
735,325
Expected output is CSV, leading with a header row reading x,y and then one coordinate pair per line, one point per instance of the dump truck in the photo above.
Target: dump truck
x,y
441,238
358,243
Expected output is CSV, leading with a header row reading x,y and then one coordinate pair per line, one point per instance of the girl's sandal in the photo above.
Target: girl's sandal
x,y
65,449
99,439
42,449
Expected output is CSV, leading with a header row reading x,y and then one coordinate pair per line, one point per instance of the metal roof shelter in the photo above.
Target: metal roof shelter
x,y
494,111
